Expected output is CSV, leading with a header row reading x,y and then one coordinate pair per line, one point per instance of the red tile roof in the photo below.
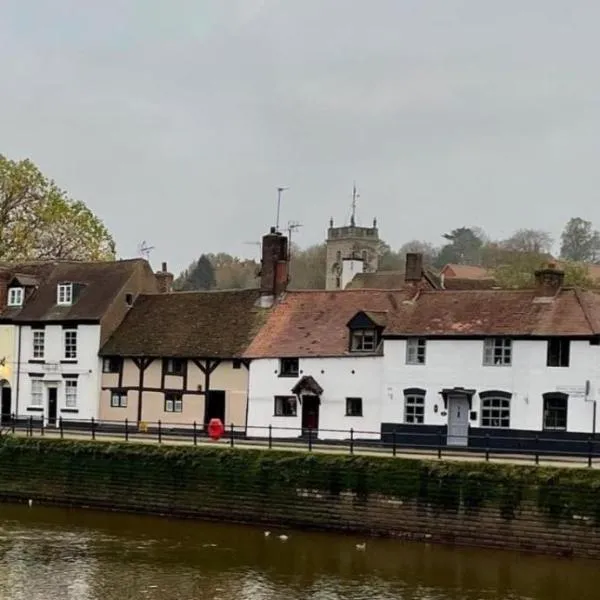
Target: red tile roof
x,y
314,323
466,271
498,312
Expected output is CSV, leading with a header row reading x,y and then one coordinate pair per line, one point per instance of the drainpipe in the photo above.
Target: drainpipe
x,y
18,373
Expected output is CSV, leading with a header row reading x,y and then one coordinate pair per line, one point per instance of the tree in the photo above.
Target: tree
x,y
464,247
39,221
200,275
579,241
529,240
308,267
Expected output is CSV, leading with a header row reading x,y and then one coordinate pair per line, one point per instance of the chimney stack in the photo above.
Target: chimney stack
x,y
549,280
164,280
274,264
413,271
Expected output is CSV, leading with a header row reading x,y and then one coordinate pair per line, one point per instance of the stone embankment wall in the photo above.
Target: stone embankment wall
x,y
479,504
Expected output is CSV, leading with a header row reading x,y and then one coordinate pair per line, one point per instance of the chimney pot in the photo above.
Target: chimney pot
x,y
272,230
164,267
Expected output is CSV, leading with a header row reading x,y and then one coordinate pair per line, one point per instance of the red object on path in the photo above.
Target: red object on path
x,y
215,429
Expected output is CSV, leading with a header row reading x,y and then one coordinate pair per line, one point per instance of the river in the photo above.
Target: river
x,y
58,554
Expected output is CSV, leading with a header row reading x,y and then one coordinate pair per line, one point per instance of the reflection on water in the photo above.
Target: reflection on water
x,y
56,554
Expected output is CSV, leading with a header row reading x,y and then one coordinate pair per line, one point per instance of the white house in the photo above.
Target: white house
x,y
316,365
494,368
61,313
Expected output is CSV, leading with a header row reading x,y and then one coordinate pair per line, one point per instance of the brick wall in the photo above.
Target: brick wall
x,y
543,510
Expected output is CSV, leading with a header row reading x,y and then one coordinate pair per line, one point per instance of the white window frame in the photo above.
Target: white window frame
x,y
364,340
70,349
414,409
15,296
38,343
118,399
71,389
497,352
64,294
416,348
37,391
495,412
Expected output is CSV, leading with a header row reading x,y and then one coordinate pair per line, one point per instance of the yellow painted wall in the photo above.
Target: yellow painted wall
x,y
8,369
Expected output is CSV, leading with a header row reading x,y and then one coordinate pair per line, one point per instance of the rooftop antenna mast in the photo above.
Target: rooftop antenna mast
x,y
144,250
291,227
280,190
355,197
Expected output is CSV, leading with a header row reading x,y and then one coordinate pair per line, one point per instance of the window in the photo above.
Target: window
x,y
338,282
289,367
129,299
64,293
71,393
365,256
237,363
173,402
111,364
338,256
414,406
286,406
39,339
497,352
173,366
495,409
15,296
558,352
364,340
71,344
415,351
118,399
37,392
555,411
354,407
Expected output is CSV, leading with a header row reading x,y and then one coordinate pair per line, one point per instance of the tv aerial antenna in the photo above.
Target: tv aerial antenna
x,y
144,250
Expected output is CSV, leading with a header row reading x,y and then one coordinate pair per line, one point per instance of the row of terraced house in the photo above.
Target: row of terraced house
x,y
113,342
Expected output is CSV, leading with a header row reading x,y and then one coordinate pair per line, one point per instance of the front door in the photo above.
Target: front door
x,y
6,404
458,420
52,405
310,414
215,406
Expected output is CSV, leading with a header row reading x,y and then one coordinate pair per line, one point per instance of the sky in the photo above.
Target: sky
x,y
176,121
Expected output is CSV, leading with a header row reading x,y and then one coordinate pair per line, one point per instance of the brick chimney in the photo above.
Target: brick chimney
x,y
274,264
164,280
549,280
413,271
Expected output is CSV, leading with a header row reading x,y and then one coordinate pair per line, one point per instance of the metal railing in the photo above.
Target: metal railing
x,y
536,446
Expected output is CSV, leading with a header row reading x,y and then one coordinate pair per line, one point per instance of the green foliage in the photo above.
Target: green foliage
x,y
200,275
579,241
39,221
464,247
236,481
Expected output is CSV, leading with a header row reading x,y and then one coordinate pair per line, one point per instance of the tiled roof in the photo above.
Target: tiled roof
x,y
217,324
313,323
100,282
465,271
498,312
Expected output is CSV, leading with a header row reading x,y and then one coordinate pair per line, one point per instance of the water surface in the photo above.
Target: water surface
x,y
58,554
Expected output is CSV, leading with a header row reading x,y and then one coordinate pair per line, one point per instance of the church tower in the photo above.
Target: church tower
x,y
349,248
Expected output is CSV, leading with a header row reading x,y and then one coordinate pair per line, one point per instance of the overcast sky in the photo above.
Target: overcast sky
x,y
175,121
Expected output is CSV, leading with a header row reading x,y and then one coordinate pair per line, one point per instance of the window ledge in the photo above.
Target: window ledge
x,y
284,416
289,375
36,361
35,409
68,361
69,410
355,416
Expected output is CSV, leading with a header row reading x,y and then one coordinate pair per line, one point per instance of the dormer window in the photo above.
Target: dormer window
x,y
364,340
64,294
15,296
